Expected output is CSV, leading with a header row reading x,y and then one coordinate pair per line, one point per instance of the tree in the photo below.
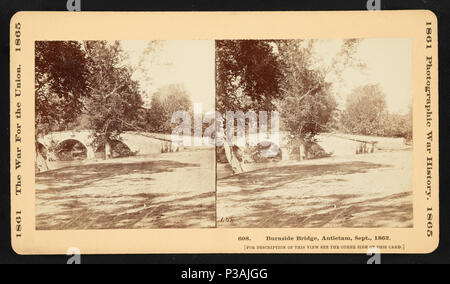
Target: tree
x,y
399,125
165,102
60,85
156,115
114,100
366,111
248,75
308,105
408,125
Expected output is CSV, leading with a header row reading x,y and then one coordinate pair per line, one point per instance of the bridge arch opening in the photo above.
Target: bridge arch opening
x,y
267,151
118,150
70,150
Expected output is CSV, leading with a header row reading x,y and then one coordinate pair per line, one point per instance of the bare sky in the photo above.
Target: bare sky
x,y
389,63
186,62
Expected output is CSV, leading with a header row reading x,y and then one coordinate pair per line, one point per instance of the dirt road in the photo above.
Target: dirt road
x,y
174,190
371,191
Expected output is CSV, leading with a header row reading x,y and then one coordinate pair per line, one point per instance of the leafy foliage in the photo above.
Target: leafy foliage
x,y
114,97
165,102
61,74
248,75
308,104
366,111
398,125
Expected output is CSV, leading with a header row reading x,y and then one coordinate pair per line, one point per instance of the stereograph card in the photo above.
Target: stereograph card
x,y
224,132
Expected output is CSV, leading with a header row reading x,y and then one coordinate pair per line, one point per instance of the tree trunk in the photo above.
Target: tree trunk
x,y
41,163
236,165
302,150
108,153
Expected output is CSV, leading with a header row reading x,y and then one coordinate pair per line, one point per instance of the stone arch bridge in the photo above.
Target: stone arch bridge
x,y
140,143
331,144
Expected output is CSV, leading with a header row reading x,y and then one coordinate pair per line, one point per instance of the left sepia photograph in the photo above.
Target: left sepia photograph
x,y
105,153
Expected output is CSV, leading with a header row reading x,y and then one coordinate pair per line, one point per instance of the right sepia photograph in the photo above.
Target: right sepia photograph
x,y
317,133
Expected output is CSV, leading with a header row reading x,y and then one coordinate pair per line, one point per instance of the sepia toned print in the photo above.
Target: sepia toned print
x,y
104,154
343,155
301,132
